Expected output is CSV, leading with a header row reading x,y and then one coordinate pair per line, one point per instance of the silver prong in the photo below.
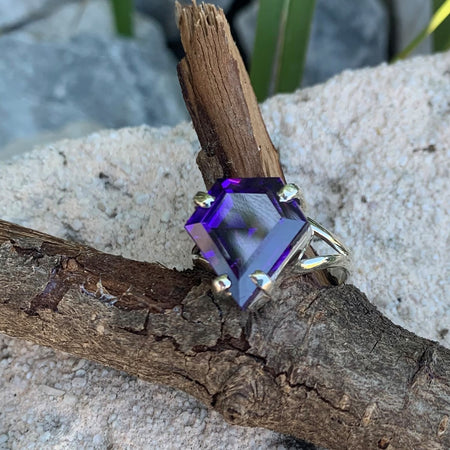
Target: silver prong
x,y
199,260
221,284
288,193
203,199
262,280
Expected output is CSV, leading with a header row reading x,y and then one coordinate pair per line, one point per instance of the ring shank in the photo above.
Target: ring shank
x,y
338,262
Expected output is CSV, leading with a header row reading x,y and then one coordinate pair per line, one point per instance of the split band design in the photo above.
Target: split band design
x,y
340,260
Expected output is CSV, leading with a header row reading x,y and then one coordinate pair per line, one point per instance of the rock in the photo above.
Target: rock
x,y
71,130
91,17
411,18
245,25
48,390
18,12
113,82
345,35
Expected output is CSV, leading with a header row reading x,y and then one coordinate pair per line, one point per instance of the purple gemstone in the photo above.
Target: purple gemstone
x,y
246,229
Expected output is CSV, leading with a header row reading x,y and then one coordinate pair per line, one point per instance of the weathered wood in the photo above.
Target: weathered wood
x,y
321,364
221,101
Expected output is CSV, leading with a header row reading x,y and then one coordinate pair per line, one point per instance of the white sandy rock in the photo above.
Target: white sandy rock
x,y
370,149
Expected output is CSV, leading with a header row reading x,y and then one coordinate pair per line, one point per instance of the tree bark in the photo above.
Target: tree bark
x,y
321,364
317,362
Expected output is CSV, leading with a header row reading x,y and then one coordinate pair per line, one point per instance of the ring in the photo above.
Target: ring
x,y
248,229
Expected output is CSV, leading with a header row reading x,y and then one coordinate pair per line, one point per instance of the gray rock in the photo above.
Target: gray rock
x,y
112,82
411,18
17,12
91,17
245,24
164,12
344,34
72,130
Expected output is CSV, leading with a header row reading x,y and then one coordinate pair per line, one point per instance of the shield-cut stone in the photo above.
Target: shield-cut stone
x,y
246,229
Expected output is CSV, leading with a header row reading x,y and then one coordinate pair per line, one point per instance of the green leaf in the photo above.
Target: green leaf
x,y
441,37
440,15
281,42
123,17
266,39
295,38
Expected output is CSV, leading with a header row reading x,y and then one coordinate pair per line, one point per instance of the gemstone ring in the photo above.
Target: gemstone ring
x,y
248,229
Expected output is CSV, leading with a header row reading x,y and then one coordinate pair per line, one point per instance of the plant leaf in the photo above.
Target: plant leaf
x,y
438,18
295,35
265,47
123,17
441,37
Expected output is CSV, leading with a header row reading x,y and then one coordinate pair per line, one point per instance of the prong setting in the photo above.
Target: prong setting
x,y
221,285
288,193
199,260
203,199
262,280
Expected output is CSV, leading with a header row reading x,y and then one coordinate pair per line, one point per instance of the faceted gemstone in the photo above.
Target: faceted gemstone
x,y
246,229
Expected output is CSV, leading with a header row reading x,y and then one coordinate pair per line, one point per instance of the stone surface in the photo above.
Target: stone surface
x,y
69,19
19,12
345,35
411,18
371,150
113,82
72,130
246,230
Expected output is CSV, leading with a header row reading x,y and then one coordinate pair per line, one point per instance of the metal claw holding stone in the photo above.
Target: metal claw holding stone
x,y
221,285
291,192
203,199
262,280
199,260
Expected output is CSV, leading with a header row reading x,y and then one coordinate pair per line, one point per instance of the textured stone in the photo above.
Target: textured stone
x,y
112,82
71,18
15,13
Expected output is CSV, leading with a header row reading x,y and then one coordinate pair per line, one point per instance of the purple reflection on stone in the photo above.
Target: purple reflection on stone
x,y
246,229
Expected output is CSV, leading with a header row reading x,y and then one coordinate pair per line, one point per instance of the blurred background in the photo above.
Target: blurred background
x,y
70,67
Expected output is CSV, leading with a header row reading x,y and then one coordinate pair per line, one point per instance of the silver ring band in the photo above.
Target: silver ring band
x,y
340,260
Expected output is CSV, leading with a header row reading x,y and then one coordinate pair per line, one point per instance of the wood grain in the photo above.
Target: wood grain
x,y
221,101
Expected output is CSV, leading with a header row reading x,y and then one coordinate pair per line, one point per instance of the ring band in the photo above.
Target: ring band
x,y
248,229
340,260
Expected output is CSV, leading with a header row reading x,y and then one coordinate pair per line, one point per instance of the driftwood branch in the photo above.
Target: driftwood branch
x,y
221,101
319,363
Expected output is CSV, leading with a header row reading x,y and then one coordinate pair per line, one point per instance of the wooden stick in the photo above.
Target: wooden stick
x,y
319,364
221,101
223,107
